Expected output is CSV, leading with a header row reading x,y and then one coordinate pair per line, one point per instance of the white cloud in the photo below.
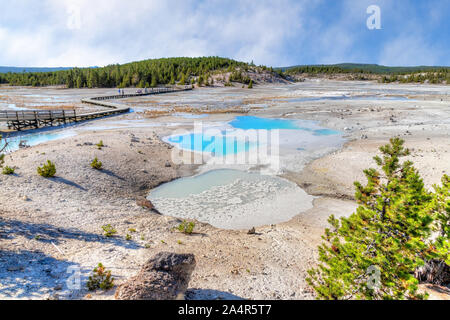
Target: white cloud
x,y
117,31
277,33
409,51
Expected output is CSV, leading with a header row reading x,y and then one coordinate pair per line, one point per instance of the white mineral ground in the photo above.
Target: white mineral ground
x,y
48,225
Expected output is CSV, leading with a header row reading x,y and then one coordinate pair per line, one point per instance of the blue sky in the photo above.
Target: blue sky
x,y
275,33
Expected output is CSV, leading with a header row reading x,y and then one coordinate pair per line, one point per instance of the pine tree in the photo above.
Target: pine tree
x,y
182,79
200,81
154,82
79,81
441,205
250,85
373,253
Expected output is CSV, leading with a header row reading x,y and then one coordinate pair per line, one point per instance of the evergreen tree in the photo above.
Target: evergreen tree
x,y
441,206
387,235
154,82
182,79
200,81
79,81
250,85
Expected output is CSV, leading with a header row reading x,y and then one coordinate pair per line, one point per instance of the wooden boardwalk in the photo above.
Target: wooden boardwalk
x,y
19,120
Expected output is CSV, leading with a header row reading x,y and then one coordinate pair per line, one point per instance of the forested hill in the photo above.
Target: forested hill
x,y
359,68
353,71
147,73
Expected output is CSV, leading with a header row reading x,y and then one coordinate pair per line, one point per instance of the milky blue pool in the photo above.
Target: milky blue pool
x,y
218,145
257,123
230,141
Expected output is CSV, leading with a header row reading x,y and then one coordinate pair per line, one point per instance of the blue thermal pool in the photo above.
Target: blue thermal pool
x,y
233,141
32,139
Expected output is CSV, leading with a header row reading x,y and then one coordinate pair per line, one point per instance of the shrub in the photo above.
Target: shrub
x,y
100,145
8,170
95,164
109,230
373,254
48,170
100,279
128,237
186,227
250,85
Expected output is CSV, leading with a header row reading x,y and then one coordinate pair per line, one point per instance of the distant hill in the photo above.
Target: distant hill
x,y
26,69
356,71
146,73
359,67
379,69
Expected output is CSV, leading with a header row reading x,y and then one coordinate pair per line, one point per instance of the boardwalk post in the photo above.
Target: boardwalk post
x,y
36,121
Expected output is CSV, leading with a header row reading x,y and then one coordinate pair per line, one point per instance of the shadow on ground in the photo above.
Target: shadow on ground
x,y
209,294
68,182
47,233
34,275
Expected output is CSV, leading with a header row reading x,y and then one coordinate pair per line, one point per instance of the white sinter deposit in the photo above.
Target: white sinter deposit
x,y
232,199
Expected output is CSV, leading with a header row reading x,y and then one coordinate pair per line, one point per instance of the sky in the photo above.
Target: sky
x,y
67,33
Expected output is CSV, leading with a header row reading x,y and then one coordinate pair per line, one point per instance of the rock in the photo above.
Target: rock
x,y
145,203
252,231
164,277
168,164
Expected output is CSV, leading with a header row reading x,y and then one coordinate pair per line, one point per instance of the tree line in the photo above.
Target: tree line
x,y
322,69
435,76
147,73
431,75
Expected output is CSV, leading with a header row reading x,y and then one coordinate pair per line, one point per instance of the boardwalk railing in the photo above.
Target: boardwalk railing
x,y
145,93
35,115
19,120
